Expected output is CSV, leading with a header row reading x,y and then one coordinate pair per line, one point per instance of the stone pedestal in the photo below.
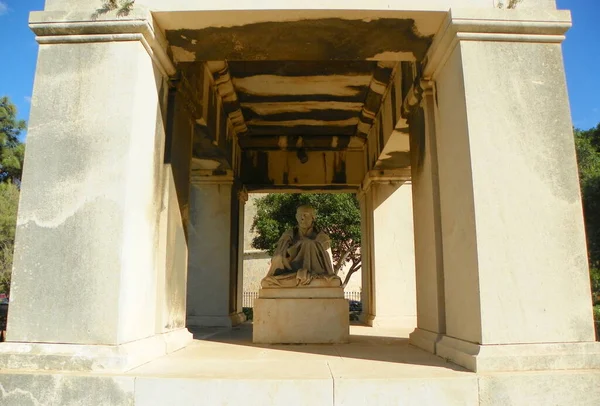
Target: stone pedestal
x,y
301,316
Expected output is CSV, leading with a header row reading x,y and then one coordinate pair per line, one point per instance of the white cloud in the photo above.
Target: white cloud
x,y
27,99
3,8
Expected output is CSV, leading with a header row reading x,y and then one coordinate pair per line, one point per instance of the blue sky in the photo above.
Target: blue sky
x,y
581,52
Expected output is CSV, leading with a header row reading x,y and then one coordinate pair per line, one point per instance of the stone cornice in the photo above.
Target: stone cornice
x,y
83,27
528,25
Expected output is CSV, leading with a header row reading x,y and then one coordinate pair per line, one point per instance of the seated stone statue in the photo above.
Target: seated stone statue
x,y
301,256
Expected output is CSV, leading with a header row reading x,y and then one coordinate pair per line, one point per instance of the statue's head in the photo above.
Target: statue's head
x,y
305,215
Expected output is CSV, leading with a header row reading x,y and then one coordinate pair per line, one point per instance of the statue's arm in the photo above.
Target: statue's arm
x,y
279,260
324,240
284,243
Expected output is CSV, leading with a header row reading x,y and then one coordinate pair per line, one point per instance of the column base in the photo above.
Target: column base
x,y
520,357
424,339
408,322
215,321
81,357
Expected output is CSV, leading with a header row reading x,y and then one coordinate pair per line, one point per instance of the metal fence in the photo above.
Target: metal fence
x,y
248,297
352,296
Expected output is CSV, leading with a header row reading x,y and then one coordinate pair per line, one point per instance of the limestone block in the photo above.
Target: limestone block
x,y
560,388
428,233
211,251
257,383
515,264
104,358
521,357
301,321
86,260
417,391
303,292
62,389
389,239
172,279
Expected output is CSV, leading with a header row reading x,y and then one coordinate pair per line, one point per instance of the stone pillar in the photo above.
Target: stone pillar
x,y
388,266
517,290
431,318
87,286
213,282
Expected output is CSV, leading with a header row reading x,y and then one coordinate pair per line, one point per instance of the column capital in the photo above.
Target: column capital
x,y
243,195
208,177
87,26
526,25
401,175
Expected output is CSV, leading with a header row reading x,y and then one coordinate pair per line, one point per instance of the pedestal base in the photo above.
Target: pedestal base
x,y
426,340
300,320
520,357
91,358
231,320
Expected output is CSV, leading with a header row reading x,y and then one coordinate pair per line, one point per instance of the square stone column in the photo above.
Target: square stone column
x,y
431,315
517,290
214,280
388,251
88,288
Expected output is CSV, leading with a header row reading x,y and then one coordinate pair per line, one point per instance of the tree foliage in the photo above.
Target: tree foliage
x,y
587,144
9,201
11,149
588,156
338,215
11,167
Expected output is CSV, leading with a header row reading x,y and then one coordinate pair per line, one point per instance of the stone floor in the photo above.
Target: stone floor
x,y
377,367
223,367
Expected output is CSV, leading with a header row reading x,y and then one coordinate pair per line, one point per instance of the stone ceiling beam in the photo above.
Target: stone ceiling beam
x,y
307,142
229,98
378,88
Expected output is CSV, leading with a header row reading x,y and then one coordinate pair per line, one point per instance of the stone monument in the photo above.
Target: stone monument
x,y
301,299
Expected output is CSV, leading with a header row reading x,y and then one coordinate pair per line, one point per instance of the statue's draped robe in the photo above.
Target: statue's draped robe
x,y
300,258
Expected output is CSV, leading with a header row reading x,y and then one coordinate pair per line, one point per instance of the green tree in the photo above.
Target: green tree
x,y
338,215
11,149
9,201
587,144
11,166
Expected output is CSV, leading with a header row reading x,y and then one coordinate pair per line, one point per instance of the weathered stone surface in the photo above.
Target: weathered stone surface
x,y
65,390
172,282
306,293
90,199
519,220
389,278
96,358
564,388
520,357
212,275
431,316
300,321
